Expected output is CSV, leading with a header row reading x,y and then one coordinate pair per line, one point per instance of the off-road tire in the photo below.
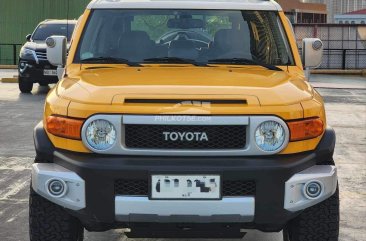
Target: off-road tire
x,y
25,86
50,222
317,223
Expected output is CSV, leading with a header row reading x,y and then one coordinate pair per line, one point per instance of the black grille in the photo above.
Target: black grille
x,y
153,137
131,187
238,188
140,188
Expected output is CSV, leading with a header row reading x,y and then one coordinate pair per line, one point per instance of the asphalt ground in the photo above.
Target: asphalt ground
x,y
346,112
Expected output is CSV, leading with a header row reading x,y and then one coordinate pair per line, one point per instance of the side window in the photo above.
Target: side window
x,y
93,46
267,40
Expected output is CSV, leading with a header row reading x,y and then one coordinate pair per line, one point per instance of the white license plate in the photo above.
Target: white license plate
x,y
185,187
50,72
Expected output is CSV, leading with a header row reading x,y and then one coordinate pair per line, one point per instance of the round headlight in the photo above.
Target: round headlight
x,y
270,136
101,134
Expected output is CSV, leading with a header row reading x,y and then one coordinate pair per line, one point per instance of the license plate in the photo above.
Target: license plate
x,y
50,72
185,187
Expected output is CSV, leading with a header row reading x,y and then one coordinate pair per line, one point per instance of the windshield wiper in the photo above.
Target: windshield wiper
x,y
174,60
243,61
110,60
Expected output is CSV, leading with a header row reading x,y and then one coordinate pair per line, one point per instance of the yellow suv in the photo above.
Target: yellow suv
x,y
184,119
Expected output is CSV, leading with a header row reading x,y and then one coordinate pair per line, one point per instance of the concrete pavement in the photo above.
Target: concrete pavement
x,y
338,81
8,73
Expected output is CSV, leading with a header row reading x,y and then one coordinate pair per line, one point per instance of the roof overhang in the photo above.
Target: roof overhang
x,y
266,5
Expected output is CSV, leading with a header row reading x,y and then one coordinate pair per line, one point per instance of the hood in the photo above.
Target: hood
x,y
252,84
37,45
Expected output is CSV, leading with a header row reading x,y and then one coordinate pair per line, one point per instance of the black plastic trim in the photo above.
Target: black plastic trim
x,y
34,73
43,145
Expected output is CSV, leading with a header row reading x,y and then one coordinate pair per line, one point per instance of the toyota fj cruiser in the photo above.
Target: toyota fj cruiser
x,y
184,119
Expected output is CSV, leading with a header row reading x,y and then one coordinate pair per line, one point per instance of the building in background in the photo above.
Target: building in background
x,y
355,17
305,11
19,18
312,11
337,7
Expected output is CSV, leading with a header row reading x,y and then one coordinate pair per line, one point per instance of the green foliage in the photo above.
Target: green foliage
x,y
156,25
215,23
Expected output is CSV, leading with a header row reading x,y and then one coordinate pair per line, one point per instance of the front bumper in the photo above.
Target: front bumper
x,y
32,71
275,202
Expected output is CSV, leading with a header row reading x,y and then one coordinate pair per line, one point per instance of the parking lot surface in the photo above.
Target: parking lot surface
x,y
346,112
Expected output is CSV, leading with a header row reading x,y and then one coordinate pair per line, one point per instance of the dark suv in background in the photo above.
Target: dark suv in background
x,y
33,64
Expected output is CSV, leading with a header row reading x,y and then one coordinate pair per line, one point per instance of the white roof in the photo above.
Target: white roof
x,y
59,21
186,4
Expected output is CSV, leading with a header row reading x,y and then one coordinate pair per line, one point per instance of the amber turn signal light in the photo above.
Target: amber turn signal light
x,y
305,129
64,127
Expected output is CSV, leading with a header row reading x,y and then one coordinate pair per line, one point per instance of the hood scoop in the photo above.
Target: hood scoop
x,y
182,101
185,104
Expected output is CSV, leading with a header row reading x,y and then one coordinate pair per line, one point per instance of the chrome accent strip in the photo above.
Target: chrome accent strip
x,y
73,199
296,200
184,120
35,56
145,210
119,147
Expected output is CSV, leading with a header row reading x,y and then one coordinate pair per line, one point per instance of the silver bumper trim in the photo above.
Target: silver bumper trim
x,y
43,173
141,209
184,120
296,200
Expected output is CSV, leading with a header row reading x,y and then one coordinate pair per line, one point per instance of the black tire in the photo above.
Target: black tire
x,y
50,222
317,223
25,86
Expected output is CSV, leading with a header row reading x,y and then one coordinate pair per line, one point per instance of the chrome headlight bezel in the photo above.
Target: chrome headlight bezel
x,y
281,132
112,134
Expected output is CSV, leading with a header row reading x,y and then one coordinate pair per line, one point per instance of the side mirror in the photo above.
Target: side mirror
x,y
28,37
56,53
312,52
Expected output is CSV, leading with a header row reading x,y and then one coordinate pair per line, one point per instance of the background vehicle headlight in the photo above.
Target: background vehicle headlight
x,y
270,136
27,54
101,134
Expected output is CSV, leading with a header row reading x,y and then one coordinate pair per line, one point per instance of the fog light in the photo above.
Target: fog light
x,y
57,188
313,189
22,67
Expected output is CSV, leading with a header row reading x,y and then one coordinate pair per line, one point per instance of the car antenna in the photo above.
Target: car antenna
x,y
67,30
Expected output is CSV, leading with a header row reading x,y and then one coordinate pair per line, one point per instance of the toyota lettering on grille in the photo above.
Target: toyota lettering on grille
x,y
185,136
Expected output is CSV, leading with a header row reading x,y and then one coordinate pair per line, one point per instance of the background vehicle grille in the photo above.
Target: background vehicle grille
x,y
41,55
152,137
141,188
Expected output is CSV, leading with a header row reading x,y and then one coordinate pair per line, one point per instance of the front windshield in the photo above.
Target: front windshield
x,y
46,30
148,36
